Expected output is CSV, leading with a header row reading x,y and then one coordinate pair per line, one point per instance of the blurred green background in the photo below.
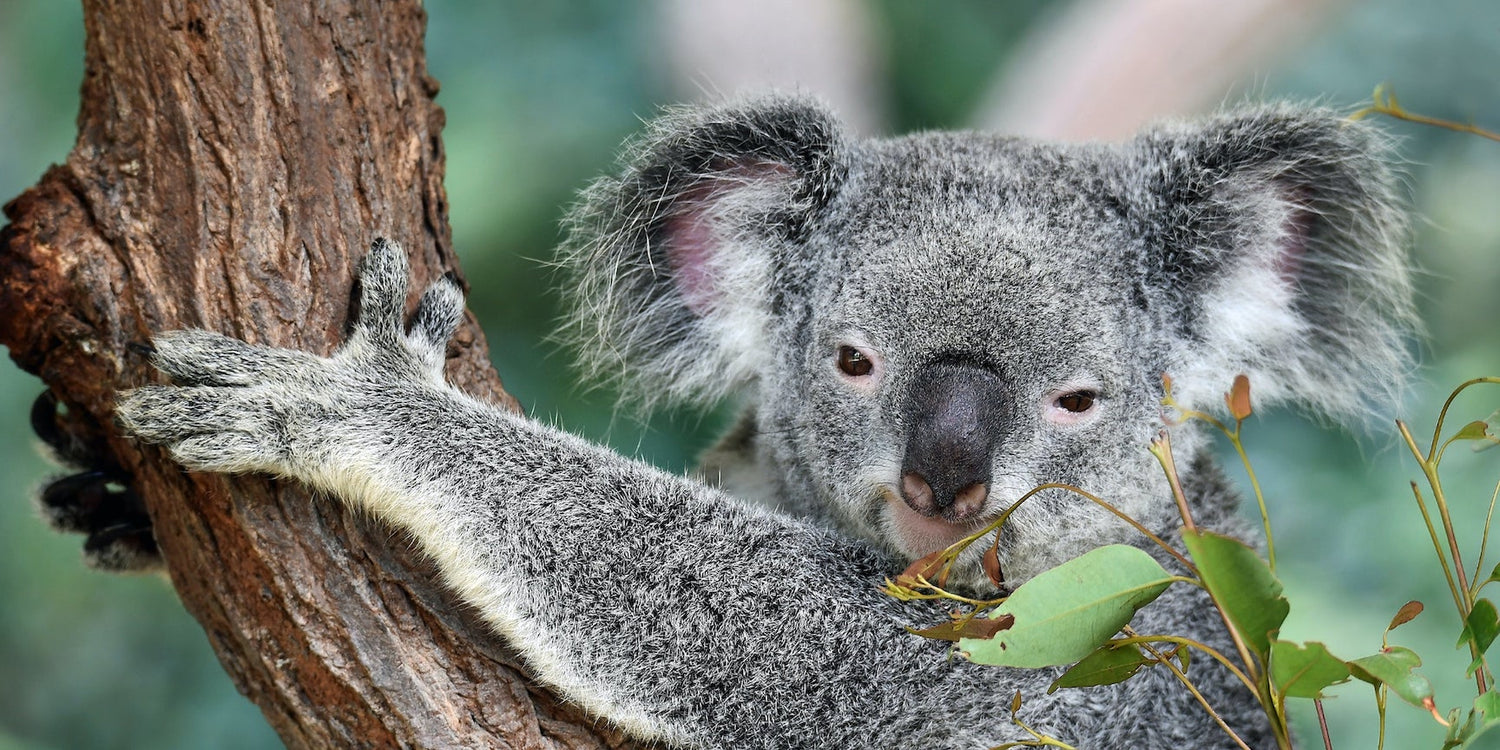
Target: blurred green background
x,y
539,96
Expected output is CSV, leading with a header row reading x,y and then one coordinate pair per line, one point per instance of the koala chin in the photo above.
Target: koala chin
x,y
920,330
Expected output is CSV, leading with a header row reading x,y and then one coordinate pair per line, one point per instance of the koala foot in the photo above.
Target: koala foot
x,y
240,407
96,502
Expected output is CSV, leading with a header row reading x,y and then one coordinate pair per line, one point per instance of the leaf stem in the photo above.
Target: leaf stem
x,y
1187,683
1437,432
1380,708
1385,104
1190,643
1162,449
1323,724
1462,595
1101,502
1437,545
1484,543
1260,498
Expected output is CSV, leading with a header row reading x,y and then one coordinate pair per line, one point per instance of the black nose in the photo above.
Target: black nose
x,y
957,415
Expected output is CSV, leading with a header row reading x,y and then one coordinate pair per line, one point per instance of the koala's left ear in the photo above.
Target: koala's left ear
x,y
679,264
1273,244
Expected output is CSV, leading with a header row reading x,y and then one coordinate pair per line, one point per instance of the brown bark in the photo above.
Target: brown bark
x,y
234,159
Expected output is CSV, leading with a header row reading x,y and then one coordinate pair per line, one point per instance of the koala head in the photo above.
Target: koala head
x,y
926,327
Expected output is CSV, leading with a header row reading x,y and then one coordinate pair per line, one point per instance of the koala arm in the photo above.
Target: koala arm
x,y
652,600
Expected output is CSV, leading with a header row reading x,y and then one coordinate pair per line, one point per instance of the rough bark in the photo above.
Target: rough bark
x,y
234,159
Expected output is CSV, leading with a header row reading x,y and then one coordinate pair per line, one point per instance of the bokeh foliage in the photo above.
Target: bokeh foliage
x,y
538,97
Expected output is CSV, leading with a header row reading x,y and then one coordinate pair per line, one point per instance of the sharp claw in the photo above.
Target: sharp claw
x,y
44,417
84,491
123,547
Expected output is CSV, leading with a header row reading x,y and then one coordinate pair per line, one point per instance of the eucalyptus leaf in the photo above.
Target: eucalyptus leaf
x,y
1393,667
1407,613
1303,670
974,627
1242,584
1484,717
1109,664
1064,614
1459,732
1480,629
1473,431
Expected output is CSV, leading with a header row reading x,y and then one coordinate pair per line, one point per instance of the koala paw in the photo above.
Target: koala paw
x,y
97,501
241,407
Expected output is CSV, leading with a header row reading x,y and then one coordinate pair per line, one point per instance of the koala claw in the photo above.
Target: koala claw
x,y
97,501
103,508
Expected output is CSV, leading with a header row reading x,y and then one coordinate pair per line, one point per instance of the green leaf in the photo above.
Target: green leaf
x,y
1480,629
1489,705
1484,717
1303,670
1242,584
1487,432
1493,424
1459,731
1062,615
1108,665
1494,576
1473,431
1393,667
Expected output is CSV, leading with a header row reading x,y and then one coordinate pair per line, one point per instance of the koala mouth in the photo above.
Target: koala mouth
x,y
917,535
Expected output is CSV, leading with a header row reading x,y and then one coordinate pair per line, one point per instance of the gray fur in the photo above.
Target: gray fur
x,y
738,249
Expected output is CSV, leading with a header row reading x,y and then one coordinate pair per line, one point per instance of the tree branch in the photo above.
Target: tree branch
x,y
234,159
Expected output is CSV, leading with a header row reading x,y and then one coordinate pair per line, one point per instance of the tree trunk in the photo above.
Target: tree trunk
x,y
234,160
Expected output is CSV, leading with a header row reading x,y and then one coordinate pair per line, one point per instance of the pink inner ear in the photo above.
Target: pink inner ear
x,y
692,245
690,248
1294,236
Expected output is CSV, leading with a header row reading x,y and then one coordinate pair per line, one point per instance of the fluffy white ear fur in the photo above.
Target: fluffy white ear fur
x,y
673,264
1304,285
718,245
1248,321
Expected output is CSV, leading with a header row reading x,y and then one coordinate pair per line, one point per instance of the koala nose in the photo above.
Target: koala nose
x,y
957,415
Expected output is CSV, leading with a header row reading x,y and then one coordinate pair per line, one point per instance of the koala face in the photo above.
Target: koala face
x,y
964,351
926,328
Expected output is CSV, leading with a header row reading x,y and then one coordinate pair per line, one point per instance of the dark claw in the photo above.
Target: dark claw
x,y
72,502
124,547
113,519
44,420
86,502
66,446
97,501
351,316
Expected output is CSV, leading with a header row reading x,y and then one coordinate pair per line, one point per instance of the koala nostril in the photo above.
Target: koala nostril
x,y
918,494
969,500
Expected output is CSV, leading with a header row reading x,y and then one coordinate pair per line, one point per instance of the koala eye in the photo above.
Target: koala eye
x,y
854,363
1076,402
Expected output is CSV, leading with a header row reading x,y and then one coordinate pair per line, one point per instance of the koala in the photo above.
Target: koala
x,y
919,330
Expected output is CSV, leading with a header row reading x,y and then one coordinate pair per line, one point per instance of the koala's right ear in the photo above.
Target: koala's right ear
x,y
1275,245
674,265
